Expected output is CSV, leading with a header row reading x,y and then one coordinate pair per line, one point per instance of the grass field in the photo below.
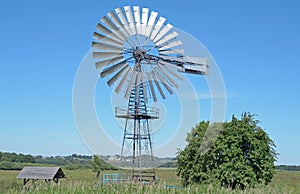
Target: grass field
x,y
85,181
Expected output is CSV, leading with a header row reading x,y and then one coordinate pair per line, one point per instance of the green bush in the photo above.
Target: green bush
x,y
241,156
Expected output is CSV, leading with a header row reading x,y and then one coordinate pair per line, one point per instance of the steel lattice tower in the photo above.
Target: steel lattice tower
x,y
137,141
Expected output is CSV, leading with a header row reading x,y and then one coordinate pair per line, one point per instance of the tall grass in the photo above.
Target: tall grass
x,y
85,181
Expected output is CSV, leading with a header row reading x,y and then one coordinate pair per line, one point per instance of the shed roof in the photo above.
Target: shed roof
x,y
41,173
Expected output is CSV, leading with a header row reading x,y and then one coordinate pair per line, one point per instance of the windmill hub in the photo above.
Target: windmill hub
x,y
139,54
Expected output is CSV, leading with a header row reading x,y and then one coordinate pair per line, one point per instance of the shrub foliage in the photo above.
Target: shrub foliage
x,y
242,156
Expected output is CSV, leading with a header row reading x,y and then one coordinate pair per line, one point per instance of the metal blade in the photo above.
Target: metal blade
x,y
137,18
109,33
112,80
171,45
121,30
131,83
166,38
112,69
106,62
144,87
123,20
124,29
114,18
103,29
158,85
113,28
150,24
162,80
163,32
157,27
122,82
106,39
166,76
106,54
108,23
151,87
171,51
165,64
145,12
130,19
108,47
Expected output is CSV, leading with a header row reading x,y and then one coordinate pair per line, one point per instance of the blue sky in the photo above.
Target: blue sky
x,y
255,43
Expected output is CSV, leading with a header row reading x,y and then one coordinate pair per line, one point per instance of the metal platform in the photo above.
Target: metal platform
x,y
137,113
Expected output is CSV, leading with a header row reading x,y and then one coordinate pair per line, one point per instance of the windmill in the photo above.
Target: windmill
x,y
141,55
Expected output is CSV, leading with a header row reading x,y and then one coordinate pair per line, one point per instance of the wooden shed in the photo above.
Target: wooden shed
x,y
41,173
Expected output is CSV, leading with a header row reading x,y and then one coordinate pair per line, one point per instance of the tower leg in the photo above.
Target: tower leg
x,y
137,144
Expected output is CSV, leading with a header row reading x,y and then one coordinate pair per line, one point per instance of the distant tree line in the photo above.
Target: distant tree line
x,y
14,161
288,167
18,158
63,160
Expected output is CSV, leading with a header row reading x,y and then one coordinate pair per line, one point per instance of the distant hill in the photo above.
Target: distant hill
x,y
165,162
171,164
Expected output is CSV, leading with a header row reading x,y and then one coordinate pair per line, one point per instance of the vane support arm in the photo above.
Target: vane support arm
x,y
185,64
